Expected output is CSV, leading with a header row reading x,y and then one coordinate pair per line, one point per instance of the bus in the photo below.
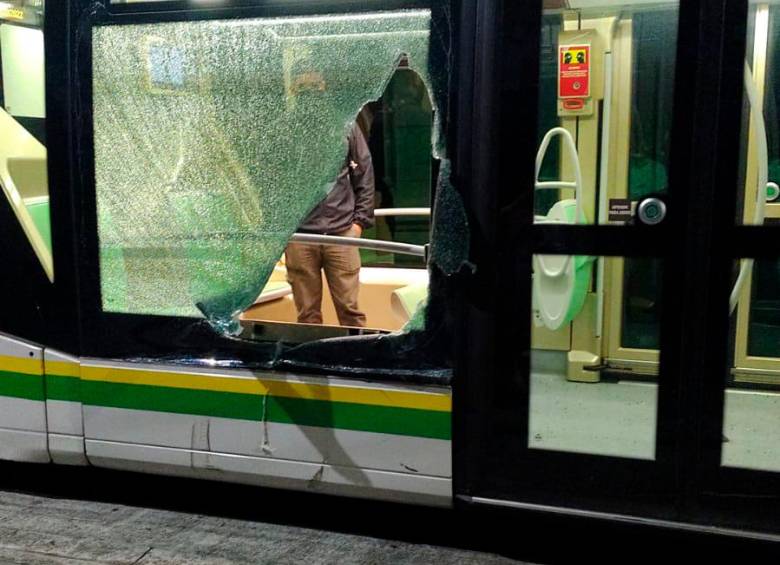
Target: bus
x,y
571,284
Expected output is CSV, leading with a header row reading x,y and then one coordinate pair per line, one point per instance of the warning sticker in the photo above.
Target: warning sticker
x,y
12,14
574,71
620,210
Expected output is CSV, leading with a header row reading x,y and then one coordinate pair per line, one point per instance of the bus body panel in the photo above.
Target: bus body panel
x,y
22,402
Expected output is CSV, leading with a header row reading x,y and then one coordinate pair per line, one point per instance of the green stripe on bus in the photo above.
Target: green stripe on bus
x,y
21,385
63,388
299,411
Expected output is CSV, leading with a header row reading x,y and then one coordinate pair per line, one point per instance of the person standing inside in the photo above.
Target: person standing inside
x,y
346,211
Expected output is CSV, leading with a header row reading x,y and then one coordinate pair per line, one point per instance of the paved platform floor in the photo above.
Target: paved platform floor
x,y
60,515
40,530
122,518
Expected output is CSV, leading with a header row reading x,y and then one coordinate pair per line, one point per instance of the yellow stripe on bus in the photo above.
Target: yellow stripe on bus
x,y
21,365
440,402
63,368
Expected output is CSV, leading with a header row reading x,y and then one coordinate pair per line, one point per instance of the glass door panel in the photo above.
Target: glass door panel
x,y
564,425
618,101
611,412
741,461
751,426
754,301
751,409
575,405
622,137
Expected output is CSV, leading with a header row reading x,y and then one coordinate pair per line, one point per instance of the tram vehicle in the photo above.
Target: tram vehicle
x,y
572,288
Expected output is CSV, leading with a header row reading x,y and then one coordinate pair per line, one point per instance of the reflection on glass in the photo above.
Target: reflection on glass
x,y
548,110
771,40
764,330
606,76
579,402
759,193
641,311
23,175
751,427
654,49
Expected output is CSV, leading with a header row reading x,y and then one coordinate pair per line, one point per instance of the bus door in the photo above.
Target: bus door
x,y
600,318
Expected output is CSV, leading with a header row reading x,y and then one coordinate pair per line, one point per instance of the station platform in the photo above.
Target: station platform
x,y
73,516
53,515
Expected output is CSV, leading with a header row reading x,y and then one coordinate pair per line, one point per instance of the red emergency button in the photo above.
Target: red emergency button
x,y
573,104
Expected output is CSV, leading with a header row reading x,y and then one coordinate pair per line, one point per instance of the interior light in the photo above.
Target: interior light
x,y
6,5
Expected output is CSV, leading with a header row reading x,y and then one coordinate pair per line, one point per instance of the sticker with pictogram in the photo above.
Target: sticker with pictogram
x,y
574,71
12,14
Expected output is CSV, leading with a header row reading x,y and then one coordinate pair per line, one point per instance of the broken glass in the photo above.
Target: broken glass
x,y
214,139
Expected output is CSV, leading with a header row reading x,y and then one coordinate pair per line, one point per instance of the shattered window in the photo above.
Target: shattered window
x,y
398,130
214,140
23,174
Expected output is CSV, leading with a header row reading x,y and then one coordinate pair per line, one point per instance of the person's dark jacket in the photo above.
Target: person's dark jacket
x,y
351,200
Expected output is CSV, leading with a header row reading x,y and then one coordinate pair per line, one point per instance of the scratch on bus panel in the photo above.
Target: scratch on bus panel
x,y
193,444
317,478
266,445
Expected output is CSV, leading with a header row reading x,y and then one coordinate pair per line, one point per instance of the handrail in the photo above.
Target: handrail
x,y
381,212
579,215
373,244
571,147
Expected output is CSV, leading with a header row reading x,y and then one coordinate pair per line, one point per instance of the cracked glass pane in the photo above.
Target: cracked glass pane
x,y
214,139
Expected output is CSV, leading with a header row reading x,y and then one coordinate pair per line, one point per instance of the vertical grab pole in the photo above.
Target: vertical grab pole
x,y
603,187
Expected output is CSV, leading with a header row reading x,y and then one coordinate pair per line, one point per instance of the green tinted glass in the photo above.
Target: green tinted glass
x,y
214,139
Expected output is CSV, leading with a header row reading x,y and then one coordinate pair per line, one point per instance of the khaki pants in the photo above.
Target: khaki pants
x,y
342,271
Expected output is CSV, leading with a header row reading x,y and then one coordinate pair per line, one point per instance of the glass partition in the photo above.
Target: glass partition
x,y
575,405
615,101
752,383
751,427
23,174
755,302
613,110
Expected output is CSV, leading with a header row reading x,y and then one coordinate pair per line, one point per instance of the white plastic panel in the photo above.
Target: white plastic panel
x,y
23,71
22,409
63,410
25,446
67,449
398,487
22,414
346,448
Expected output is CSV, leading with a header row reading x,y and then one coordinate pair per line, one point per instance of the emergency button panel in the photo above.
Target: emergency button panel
x,y
578,59
574,71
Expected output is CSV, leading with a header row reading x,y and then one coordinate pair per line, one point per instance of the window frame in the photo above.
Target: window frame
x,y
118,335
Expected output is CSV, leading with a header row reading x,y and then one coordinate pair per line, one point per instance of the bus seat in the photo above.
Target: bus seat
x,y
404,301
274,290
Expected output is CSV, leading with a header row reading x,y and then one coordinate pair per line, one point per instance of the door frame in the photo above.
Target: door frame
x,y
697,243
